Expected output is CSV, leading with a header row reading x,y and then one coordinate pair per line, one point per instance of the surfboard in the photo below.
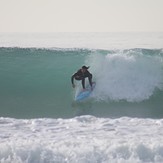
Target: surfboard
x,y
82,95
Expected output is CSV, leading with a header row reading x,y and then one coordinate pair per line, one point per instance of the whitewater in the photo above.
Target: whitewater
x,y
122,122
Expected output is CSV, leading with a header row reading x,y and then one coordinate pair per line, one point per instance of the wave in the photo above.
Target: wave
x,y
131,75
36,82
81,139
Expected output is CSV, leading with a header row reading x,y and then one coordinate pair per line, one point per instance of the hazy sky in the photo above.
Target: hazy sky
x,y
80,15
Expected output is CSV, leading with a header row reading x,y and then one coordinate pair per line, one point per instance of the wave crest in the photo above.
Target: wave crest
x,y
127,75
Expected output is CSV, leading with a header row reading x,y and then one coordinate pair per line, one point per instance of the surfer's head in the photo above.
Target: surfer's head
x,y
85,67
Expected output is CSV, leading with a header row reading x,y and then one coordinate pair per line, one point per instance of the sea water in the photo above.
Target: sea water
x,y
122,122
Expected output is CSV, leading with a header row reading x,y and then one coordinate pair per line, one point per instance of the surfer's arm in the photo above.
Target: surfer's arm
x,y
72,80
89,78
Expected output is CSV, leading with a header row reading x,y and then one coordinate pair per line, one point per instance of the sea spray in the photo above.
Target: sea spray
x,y
126,75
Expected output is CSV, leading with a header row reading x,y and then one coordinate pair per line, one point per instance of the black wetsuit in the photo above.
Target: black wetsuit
x,y
79,75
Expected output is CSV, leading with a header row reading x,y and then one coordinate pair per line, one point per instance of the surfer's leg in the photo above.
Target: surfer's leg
x,y
83,83
82,79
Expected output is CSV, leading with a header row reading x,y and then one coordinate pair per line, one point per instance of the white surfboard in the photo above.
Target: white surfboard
x,y
82,95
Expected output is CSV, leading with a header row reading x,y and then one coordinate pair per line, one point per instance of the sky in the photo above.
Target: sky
x,y
81,15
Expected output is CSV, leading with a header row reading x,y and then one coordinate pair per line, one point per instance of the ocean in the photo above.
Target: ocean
x,y
122,121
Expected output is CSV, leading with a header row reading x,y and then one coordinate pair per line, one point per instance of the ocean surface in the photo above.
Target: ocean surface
x,y
122,121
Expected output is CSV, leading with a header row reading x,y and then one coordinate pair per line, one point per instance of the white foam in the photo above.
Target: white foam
x,y
81,139
126,76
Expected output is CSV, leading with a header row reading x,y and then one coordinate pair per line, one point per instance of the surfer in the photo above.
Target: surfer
x,y
81,74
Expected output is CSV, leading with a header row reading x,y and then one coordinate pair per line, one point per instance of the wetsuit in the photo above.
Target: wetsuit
x,y
79,75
